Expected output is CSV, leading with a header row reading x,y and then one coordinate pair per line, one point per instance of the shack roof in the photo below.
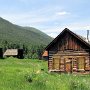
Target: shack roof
x,y
45,53
11,52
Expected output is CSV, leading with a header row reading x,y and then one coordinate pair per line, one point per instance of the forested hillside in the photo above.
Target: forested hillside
x,y
18,34
14,36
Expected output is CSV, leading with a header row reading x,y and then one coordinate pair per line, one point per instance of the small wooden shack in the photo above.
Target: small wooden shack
x,y
45,55
69,53
11,52
14,53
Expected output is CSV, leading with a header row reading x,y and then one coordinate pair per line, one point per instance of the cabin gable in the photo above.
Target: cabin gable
x,y
67,41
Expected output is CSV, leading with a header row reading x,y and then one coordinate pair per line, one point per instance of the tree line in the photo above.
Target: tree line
x,y
32,51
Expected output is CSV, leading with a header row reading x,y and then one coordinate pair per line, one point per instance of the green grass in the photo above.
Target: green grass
x,y
29,74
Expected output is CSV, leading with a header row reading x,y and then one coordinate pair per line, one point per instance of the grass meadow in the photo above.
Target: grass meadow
x,y
27,74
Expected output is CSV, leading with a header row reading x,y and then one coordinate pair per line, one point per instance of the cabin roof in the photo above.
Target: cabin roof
x,y
11,52
72,33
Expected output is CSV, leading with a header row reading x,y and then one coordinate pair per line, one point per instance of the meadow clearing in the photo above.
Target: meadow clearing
x,y
27,74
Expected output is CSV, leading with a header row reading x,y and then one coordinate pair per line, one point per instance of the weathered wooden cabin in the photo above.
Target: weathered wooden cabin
x,y
69,53
14,53
45,55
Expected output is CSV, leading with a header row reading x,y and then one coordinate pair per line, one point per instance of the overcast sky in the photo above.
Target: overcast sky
x,y
49,16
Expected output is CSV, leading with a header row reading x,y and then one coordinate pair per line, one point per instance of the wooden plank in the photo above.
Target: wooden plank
x,y
81,63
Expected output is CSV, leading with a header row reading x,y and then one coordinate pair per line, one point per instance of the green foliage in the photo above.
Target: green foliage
x,y
27,74
34,52
30,39
22,35
34,56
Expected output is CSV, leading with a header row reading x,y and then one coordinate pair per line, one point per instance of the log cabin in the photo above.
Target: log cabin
x,y
68,53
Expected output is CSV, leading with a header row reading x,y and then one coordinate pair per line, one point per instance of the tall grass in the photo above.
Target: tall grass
x,y
29,74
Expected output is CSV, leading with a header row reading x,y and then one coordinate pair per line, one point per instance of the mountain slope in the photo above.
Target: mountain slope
x,y
24,35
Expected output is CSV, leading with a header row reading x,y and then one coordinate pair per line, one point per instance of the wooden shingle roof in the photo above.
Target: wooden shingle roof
x,y
11,52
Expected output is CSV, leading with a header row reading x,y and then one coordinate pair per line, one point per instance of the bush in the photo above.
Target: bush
x,y
35,56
